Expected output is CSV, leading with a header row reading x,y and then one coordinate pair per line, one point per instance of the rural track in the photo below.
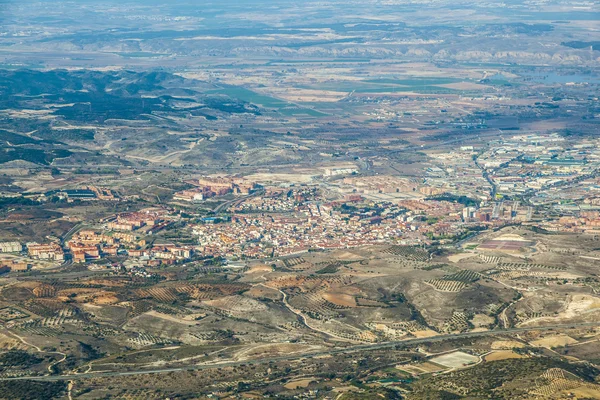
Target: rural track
x,y
305,321
345,350
38,349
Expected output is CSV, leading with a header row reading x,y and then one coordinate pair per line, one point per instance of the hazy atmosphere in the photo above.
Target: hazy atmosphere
x,y
299,199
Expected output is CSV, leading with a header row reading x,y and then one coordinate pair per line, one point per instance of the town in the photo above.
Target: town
x,y
312,200
521,178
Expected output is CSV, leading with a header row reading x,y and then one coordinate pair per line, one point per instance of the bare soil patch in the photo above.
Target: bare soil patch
x,y
502,355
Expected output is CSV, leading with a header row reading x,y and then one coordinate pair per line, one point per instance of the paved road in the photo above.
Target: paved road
x,y
345,350
237,200
67,236
465,136
486,176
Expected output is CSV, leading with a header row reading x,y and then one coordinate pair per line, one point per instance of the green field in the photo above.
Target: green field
x,y
140,54
297,111
324,61
425,89
386,85
415,81
281,106
250,97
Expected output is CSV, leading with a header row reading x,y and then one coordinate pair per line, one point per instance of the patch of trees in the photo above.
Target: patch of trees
x,y
32,390
464,200
18,358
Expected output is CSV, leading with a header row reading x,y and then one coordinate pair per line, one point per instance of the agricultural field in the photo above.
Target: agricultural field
x,y
197,315
299,200
455,360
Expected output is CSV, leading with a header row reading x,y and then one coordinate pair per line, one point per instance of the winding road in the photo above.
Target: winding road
x,y
296,357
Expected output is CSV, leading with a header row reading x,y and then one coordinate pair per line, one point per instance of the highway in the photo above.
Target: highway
x,y
237,200
296,357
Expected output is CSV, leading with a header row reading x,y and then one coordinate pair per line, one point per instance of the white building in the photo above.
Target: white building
x,y
11,247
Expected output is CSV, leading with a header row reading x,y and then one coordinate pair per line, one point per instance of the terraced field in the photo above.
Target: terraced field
x,y
409,252
445,285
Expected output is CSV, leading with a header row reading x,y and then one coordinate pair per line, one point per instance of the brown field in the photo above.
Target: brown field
x,y
502,355
506,344
421,368
554,341
88,296
259,268
425,333
341,299
583,392
264,292
346,256
299,383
